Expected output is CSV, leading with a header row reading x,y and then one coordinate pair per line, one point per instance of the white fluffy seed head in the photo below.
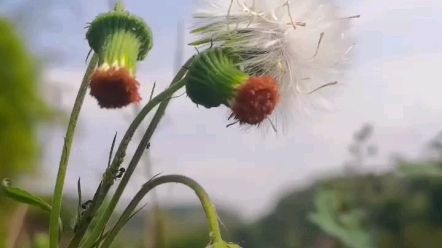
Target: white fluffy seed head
x,y
303,44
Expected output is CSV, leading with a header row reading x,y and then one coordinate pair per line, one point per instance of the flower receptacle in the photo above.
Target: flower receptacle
x,y
120,39
213,77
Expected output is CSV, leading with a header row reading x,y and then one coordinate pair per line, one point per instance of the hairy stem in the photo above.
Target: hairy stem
x,y
64,160
164,98
209,208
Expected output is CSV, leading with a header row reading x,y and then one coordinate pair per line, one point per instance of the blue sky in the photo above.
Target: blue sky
x,y
393,85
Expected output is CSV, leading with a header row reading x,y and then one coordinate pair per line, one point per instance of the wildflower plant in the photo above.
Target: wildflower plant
x,y
256,62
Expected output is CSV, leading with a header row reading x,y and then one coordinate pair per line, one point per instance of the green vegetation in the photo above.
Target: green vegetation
x,y
22,112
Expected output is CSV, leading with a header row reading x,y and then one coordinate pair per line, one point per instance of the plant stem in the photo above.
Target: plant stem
x,y
209,208
164,98
64,160
99,195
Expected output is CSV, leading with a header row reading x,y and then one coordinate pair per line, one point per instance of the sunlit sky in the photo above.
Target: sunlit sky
x,y
394,85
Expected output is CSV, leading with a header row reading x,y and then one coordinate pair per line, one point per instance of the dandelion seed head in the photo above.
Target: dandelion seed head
x,y
302,44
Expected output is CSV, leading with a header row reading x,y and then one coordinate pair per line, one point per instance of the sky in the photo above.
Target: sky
x,y
393,85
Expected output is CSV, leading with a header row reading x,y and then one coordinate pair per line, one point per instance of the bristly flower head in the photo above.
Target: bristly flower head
x,y
302,44
214,79
120,40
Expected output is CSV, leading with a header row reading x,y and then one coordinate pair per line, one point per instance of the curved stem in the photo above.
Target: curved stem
x,y
209,208
106,185
64,160
176,84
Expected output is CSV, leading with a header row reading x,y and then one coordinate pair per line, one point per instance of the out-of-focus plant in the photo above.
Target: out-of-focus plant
x,y
361,149
408,212
340,212
41,241
339,216
256,63
21,104
23,110
399,209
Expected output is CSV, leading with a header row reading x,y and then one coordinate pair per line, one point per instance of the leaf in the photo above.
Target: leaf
x,y
74,223
23,196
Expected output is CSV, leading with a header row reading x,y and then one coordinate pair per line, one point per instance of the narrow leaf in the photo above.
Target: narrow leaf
x,y
23,196
112,150
77,217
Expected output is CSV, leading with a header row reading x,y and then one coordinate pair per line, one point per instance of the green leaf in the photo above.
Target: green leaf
x,y
23,196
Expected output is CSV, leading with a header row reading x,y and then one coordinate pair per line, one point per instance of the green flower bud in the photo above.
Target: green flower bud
x,y
214,78
120,40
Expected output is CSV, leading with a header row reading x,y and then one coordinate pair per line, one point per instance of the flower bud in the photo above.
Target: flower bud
x,y
215,78
120,40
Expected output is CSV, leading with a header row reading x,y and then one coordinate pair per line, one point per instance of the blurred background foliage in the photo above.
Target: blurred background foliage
x,y
22,107
400,209
23,110
28,104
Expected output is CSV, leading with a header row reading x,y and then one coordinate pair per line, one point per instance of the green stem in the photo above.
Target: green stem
x,y
164,98
106,186
64,160
209,208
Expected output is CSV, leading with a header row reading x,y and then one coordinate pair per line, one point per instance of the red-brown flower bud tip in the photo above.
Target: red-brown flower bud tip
x,y
255,100
114,87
